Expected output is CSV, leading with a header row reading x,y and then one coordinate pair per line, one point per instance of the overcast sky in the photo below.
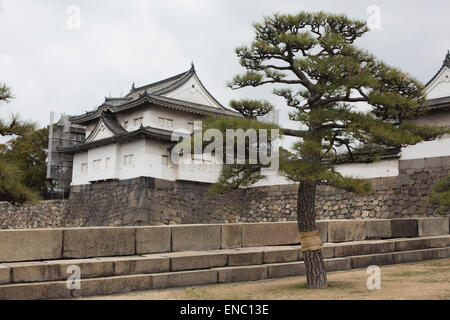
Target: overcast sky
x,y
50,66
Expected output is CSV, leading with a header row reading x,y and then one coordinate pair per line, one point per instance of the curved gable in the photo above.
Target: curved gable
x,y
101,131
194,91
440,86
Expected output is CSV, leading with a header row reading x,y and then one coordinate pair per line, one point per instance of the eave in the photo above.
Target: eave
x,y
143,132
155,100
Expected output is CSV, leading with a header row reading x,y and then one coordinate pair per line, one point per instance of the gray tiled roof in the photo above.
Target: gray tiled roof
x,y
158,100
164,84
438,102
152,93
155,133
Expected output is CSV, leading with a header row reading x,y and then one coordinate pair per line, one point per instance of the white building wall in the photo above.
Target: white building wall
x,y
151,117
130,116
131,162
205,172
180,119
428,149
383,168
102,162
78,176
156,165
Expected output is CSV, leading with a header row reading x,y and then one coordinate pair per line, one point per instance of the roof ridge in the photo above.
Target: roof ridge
x,y
180,76
447,59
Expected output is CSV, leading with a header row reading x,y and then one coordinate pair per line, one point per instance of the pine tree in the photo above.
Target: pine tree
x,y
12,186
313,63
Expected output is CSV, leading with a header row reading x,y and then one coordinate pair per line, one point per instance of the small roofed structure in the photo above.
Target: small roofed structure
x,y
130,136
437,91
437,103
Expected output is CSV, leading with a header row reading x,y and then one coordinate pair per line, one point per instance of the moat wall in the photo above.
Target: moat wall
x,y
148,201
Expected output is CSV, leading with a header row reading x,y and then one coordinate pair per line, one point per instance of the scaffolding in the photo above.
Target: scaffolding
x,y
63,133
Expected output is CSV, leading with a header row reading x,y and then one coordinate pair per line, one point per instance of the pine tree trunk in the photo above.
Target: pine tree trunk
x,y
306,215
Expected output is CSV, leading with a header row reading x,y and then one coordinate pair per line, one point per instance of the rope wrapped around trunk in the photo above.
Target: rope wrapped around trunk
x,y
310,241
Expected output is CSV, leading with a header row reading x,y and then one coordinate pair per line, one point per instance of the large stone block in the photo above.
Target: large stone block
x,y
355,248
245,256
445,162
140,265
438,242
35,291
59,270
411,244
327,251
281,270
153,239
404,228
372,259
382,246
420,255
378,229
231,236
196,237
338,264
408,256
237,274
346,230
183,278
99,242
270,234
281,254
322,226
28,245
104,286
441,253
191,260
5,274
433,226
435,162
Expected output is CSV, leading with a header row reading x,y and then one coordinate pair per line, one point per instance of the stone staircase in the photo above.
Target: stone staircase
x,y
46,279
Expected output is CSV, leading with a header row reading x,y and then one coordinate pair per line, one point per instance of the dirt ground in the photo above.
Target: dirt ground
x,y
421,280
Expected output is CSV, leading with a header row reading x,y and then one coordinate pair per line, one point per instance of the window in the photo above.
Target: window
x,y
108,160
166,123
127,160
84,168
138,121
190,126
125,125
165,160
96,164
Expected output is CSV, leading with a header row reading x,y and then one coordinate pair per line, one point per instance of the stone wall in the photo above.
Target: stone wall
x,y
148,201
45,214
391,197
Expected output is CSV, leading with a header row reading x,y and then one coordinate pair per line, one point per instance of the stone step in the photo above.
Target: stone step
x,y
139,282
93,242
55,270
